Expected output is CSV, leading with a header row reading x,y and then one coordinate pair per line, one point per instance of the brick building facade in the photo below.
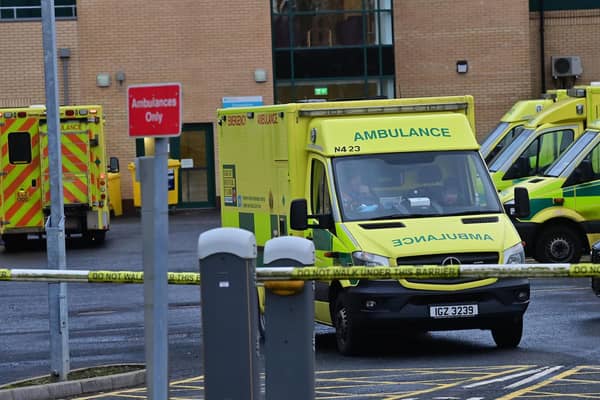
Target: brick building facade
x,y
213,49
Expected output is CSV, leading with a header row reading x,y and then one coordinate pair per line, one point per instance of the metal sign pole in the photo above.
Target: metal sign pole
x,y
155,227
55,229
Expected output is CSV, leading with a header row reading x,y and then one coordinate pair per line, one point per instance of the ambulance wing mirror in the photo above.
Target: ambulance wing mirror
x,y
113,165
299,217
521,207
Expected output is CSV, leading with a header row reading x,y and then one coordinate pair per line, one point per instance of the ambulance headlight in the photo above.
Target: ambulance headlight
x,y
515,255
369,260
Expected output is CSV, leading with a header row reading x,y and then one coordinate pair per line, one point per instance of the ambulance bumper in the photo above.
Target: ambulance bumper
x,y
383,305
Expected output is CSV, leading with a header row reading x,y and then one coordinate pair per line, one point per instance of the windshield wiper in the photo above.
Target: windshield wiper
x,y
391,216
471,213
421,215
412,215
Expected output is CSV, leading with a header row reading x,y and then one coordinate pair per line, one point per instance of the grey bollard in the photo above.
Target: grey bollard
x,y
289,322
229,314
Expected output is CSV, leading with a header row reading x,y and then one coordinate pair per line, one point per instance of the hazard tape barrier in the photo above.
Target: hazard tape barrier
x,y
82,276
582,270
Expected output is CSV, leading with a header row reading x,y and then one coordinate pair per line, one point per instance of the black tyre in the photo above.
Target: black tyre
x,y
261,324
558,245
14,242
596,286
95,238
507,334
347,336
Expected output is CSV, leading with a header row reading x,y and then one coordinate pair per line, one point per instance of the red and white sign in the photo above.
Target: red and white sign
x,y
154,110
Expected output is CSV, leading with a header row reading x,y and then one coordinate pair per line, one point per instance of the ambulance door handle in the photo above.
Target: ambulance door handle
x,y
33,183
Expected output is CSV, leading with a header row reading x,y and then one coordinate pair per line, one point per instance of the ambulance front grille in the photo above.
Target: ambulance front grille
x,y
448,259
438,259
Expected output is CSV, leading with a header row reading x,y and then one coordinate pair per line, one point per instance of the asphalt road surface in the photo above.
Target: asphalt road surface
x,y
559,355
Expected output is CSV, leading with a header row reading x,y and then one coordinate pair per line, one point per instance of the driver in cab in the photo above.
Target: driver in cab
x,y
357,195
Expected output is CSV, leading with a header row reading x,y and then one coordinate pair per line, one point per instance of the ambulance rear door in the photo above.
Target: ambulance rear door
x,y
75,151
20,186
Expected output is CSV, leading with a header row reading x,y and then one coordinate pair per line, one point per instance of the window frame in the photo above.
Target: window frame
x,y
18,8
377,53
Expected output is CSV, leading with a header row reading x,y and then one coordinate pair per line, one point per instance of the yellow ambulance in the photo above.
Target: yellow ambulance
x,y
25,175
511,123
545,137
378,183
564,219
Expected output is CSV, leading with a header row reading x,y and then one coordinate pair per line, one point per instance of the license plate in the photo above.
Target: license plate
x,y
453,311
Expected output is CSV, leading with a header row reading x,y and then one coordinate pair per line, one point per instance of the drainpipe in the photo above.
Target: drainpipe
x,y
542,47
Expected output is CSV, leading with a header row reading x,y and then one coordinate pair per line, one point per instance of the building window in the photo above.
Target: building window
x,y
28,10
340,47
553,5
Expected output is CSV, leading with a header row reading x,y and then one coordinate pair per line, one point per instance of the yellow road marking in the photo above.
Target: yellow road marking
x,y
382,379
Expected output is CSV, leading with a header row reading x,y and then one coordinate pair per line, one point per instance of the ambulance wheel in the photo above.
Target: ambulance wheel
x,y
347,336
14,242
95,238
507,334
261,324
558,245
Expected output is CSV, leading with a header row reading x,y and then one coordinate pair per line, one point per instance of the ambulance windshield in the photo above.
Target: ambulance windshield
x,y
492,136
497,139
511,151
410,185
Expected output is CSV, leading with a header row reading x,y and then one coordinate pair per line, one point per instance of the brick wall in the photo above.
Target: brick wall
x,y
211,48
566,33
493,36
22,63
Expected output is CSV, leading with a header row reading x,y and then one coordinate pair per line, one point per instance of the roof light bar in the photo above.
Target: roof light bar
x,y
384,109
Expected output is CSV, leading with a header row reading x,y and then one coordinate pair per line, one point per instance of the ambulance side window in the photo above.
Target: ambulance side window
x,y
552,145
19,148
320,201
540,154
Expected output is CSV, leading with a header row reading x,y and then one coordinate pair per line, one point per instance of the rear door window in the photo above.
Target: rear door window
x,y
19,148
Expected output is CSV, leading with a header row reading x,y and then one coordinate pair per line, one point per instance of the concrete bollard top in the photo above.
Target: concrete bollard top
x,y
291,248
236,241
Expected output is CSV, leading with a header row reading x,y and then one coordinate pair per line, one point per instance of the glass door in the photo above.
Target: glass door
x,y
194,149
